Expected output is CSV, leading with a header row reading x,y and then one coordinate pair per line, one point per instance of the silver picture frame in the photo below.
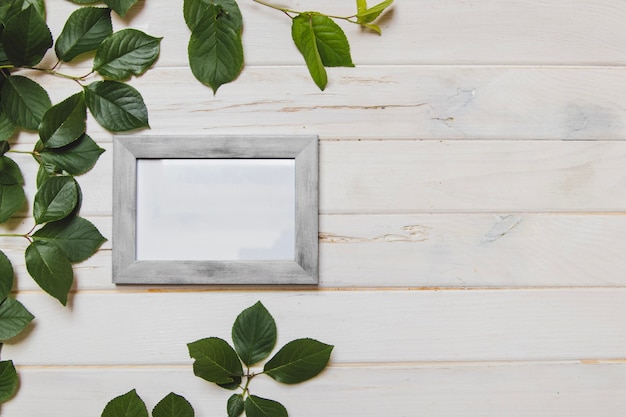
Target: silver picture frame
x,y
128,269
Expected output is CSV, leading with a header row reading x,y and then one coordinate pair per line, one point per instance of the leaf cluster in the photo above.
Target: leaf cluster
x,y
215,49
215,360
59,237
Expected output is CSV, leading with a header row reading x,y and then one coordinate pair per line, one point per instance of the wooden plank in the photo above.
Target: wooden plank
x,y
517,390
429,250
438,176
152,327
390,102
581,32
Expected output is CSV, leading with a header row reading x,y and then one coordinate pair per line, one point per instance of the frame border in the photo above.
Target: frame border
x,y
303,269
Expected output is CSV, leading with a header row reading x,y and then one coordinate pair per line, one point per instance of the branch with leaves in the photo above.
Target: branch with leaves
x,y
215,360
215,47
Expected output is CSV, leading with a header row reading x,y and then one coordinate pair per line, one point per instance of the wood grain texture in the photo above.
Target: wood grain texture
x,y
153,328
516,390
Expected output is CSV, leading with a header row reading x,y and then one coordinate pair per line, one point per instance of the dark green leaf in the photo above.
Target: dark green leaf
x,y
50,269
298,361
369,15
77,238
6,276
12,198
304,38
10,173
254,334
26,38
194,10
261,407
4,147
42,176
24,101
126,53
8,381
173,405
120,6
232,385
215,360
116,106
65,122
7,127
330,39
16,6
13,318
75,158
234,406
83,32
55,199
86,1
215,50
127,405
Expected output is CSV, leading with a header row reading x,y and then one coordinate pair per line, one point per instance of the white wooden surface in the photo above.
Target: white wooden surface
x,y
472,199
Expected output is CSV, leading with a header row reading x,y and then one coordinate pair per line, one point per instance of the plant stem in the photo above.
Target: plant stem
x,y
287,11
22,152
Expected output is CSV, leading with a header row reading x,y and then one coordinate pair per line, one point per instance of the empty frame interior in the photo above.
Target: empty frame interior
x,y
223,210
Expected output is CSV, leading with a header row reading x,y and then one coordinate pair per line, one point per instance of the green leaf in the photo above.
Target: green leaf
x,y
116,106
194,10
50,269
369,15
7,127
120,6
12,198
75,158
85,1
215,49
126,53
298,361
56,199
65,122
26,38
254,334
361,5
215,360
127,405
8,381
173,405
84,31
77,238
42,176
24,101
261,407
13,318
234,406
236,383
6,276
304,38
10,173
4,147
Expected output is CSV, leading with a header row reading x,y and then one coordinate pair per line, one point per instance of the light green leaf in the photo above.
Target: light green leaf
x,y
7,127
83,32
12,198
13,318
127,405
215,360
304,37
173,405
75,158
50,269
373,27
261,407
116,106
215,50
6,276
298,361
361,5
26,38
194,10
55,199
369,15
254,334
126,53
24,101
77,238
8,381
65,122
10,173
120,6
234,406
